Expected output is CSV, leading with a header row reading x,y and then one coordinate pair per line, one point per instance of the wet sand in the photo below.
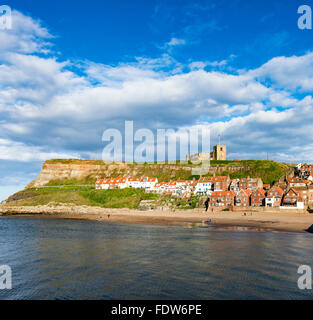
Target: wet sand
x,y
264,220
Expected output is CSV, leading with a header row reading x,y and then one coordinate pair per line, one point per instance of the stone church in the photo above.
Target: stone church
x,y
218,153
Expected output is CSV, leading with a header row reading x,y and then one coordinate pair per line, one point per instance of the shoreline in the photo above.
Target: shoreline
x,y
273,220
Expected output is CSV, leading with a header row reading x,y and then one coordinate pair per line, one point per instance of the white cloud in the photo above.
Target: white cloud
x,y
11,150
176,42
48,110
291,73
26,36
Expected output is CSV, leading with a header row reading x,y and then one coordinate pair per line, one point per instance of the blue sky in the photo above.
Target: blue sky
x,y
114,31
71,69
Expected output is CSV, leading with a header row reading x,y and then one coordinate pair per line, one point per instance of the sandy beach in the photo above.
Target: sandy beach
x,y
270,220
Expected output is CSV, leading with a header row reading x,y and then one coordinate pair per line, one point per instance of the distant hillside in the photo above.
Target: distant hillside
x,y
63,181
81,172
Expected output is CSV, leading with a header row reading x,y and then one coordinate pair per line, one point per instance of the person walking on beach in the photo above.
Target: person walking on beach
x,y
206,203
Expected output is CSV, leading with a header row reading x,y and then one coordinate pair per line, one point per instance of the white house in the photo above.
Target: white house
x,y
102,184
172,187
135,182
122,183
98,184
204,186
191,186
159,187
148,183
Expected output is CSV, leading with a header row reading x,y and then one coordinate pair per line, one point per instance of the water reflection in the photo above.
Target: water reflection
x,y
70,259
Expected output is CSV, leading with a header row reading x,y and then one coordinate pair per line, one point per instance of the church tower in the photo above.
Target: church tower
x,y
219,152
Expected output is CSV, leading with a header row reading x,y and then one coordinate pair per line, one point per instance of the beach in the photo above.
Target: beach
x,y
268,219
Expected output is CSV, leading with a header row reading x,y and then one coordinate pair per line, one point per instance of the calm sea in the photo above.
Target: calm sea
x,y
71,259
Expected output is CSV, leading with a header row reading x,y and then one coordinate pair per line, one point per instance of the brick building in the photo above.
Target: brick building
x,y
290,198
221,183
296,182
242,198
222,199
257,198
274,197
306,170
250,184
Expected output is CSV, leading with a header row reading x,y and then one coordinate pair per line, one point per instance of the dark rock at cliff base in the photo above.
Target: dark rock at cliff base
x,y
21,196
310,229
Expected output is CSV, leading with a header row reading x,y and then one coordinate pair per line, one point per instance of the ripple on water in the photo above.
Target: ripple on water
x,y
71,259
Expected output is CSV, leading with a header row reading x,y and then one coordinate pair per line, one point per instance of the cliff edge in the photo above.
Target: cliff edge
x,y
72,171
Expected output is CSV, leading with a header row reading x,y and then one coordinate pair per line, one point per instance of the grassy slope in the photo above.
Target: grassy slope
x,y
268,171
119,198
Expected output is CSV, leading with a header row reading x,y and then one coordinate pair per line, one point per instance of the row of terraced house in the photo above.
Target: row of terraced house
x,y
203,186
148,184
294,193
225,192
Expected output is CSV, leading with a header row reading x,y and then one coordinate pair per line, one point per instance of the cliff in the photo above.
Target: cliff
x,y
55,172
85,172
